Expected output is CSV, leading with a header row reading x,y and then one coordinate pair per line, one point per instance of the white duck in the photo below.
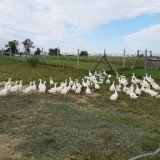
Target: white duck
x,y
137,90
54,89
34,88
118,88
96,86
78,90
74,86
40,84
20,85
133,95
88,91
108,81
84,84
4,91
90,74
8,84
104,72
14,88
51,82
28,89
112,87
42,88
152,92
70,81
114,96
109,76
64,91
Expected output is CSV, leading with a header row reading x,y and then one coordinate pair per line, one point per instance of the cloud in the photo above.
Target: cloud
x,y
145,38
46,21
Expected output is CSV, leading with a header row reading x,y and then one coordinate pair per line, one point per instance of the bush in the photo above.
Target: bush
x,y
33,61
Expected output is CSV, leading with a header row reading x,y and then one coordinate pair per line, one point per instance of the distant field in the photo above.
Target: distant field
x,y
75,127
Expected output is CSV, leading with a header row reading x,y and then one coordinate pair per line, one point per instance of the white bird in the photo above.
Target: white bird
x,y
152,92
20,85
78,90
88,91
112,87
74,86
9,81
96,86
8,84
28,89
40,84
155,86
118,88
14,88
158,96
133,81
108,81
114,96
4,91
95,73
64,91
104,72
137,90
42,88
109,76
51,82
60,87
84,84
133,95
54,89
70,81
90,74
34,86
125,89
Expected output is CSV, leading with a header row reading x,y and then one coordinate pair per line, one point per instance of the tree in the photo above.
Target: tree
x,y
54,52
28,44
37,52
83,53
12,47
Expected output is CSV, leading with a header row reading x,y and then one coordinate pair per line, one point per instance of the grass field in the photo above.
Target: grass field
x,y
75,127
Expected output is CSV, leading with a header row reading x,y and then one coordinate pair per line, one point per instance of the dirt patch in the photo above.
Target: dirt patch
x,y
2,84
82,98
6,146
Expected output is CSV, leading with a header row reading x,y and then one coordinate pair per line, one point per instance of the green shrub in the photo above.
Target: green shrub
x,y
33,61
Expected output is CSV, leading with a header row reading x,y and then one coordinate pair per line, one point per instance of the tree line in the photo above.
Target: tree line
x,y
11,48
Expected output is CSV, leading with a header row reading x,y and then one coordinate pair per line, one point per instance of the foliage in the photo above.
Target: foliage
x,y
33,61
12,47
54,52
28,44
83,53
37,52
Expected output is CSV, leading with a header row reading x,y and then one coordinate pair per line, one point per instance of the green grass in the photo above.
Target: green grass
x,y
76,126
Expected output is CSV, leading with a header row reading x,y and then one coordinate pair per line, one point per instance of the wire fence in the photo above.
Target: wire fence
x,y
145,155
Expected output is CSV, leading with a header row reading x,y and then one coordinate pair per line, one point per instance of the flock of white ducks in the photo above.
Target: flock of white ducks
x,y
89,84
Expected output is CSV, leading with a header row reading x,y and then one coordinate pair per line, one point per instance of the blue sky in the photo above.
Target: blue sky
x,y
92,25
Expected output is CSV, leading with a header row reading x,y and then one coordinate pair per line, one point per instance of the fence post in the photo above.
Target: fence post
x,y
124,56
78,60
10,52
151,54
145,62
58,53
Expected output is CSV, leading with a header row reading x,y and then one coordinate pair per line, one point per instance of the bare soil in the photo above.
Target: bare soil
x,y
6,146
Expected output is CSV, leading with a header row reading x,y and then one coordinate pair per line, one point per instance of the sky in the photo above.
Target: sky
x,y
92,25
